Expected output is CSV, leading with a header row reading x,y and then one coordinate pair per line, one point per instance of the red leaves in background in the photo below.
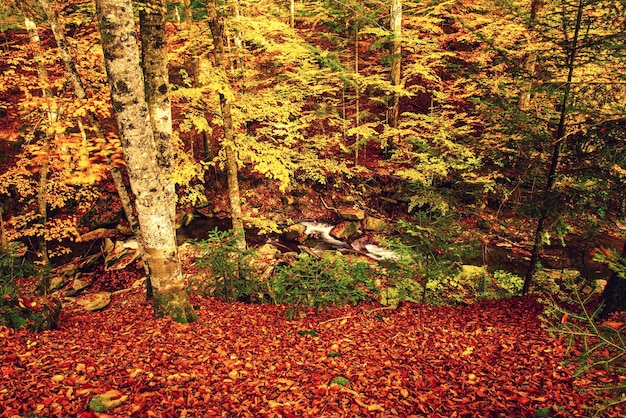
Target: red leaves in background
x,y
248,360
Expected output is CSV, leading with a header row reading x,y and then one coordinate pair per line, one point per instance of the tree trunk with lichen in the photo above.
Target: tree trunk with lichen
x,y
216,25
153,200
530,62
42,186
3,237
396,60
154,54
154,60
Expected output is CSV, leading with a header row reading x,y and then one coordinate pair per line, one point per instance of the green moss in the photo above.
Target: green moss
x,y
96,406
175,305
340,380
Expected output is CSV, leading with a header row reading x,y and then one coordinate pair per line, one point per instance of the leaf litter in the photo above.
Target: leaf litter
x,y
488,359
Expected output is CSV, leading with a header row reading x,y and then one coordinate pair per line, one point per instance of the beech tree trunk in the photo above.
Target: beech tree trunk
x,y
396,59
42,186
154,60
153,199
530,61
216,25
155,64
3,237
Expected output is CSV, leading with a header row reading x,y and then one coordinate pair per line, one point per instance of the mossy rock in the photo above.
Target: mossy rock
x,y
107,401
345,229
340,381
374,224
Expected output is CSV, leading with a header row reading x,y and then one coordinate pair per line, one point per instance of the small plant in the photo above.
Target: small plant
x,y
13,264
508,284
430,252
576,318
484,285
340,381
322,282
418,275
226,272
16,311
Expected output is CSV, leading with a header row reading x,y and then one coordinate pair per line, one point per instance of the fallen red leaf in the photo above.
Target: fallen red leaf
x,y
237,358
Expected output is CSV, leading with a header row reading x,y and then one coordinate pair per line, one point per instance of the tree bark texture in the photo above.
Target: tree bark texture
x,y
396,59
152,200
154,54
216,25
530,61
42,187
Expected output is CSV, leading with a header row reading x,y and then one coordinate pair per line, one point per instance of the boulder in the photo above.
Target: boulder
x,y
61,276
293,232
81,284
57,282
351,214
120,254
264,260
77,286
95,301
95,234
373,224
345,229
267,250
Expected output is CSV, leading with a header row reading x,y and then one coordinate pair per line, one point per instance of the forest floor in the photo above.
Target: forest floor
x,y
492,358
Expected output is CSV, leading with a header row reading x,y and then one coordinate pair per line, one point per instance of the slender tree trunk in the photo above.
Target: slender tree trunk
x,y
239,45
79,91
357,111
42,200
216,25
546,204
292,14
396,59
153,199
530,61
195,70
42,74
192,33
3,236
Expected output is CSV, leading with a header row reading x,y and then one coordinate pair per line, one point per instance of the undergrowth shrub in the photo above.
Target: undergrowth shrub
x,y
17,310
430,252
330,280
225,271
429,267
506,285
574,316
